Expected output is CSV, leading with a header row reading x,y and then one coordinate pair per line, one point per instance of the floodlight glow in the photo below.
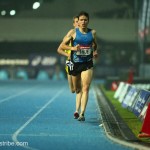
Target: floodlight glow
x,y
3,12
36,5
12,12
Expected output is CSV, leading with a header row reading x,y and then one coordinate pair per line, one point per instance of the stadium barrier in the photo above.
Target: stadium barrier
x,y
137,100
119,90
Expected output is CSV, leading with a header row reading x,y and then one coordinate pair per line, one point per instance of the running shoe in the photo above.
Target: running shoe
x,y
81,118
76,115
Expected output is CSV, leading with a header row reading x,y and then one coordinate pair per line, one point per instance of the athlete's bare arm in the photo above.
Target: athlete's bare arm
x,y
94,40
70,36
94,45
60,50
65,44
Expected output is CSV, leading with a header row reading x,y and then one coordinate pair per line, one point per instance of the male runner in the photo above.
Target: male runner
x,y
67,54
69,65
84,44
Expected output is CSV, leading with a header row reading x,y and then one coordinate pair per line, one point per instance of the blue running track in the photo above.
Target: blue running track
x,y
38,115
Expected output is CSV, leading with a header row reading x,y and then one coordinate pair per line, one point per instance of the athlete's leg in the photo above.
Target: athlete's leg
x,y
86,78
77,83
78,101
70,83
78,97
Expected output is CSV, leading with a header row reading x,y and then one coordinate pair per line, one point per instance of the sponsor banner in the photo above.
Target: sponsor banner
x,y
14,62
43,60
46,60
128,97
140,102
124,92
133,99
143,113
119,90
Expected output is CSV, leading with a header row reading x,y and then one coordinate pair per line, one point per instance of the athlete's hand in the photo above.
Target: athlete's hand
x,y
95,54
76,48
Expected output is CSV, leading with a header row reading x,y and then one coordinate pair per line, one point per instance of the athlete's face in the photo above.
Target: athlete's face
x,y
83,21
75,23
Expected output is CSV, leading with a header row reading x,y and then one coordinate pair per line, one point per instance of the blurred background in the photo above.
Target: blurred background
x,y
31,31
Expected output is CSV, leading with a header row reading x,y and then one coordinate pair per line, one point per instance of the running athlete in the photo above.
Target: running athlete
x,y
67,54
68,69
82,50
69,65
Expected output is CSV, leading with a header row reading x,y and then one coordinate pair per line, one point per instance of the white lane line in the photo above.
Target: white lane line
x,y
15,95
14,136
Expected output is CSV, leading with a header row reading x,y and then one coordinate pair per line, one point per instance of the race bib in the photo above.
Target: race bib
x,y
84,51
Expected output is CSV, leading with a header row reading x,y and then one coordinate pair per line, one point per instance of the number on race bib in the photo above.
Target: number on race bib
x,y
84,51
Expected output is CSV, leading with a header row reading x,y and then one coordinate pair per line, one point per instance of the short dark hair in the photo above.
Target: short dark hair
x,y
75,17
83,13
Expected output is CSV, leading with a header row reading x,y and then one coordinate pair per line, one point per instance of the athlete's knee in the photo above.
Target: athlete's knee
x,y
78,90
85,88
